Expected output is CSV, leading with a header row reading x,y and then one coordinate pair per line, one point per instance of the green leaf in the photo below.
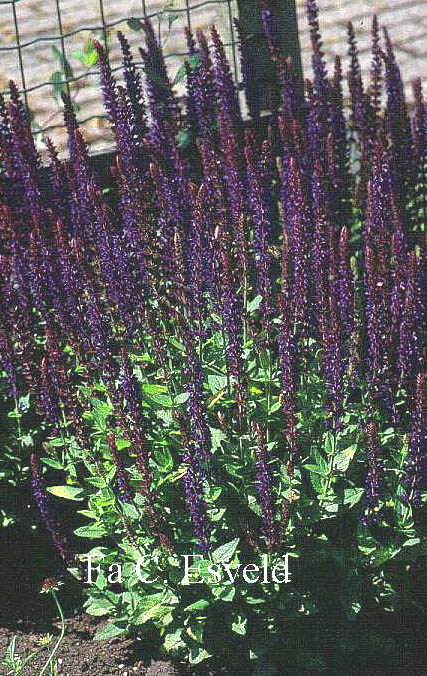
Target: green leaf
x,y
55,443
171,19
198,654
317,469
225,552
403,510
224,592
50,462
238,625
254,304
366,543
96,481
99,607
176,343
153,394
179,75
343,458
90,53
252,601
181,398
216,383
329,443
154,606
100,413
79,55
88,56
183,139
201,604
253,504
163,458
193,61
91,532
154,389
149,601
352,496
122,443
320,460
67,71
383,554
56,53
217,435
135,25
109,631
57,78
130,510
66,492
173,642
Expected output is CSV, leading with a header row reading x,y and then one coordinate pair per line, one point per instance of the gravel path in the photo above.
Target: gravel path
x,y
406,20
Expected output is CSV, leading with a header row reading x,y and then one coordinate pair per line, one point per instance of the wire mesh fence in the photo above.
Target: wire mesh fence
x,y
46,47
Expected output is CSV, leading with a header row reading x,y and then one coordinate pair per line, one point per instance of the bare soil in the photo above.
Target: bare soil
x,y
26,559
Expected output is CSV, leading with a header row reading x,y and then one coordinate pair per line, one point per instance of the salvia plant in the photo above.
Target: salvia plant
x,y
225,355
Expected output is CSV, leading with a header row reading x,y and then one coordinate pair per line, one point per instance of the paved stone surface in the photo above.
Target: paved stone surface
x,y
405,19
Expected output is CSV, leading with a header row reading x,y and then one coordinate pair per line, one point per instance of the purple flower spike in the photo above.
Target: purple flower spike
x,y
108,83
8,359
319,68
268,26
345,285
124,488
196,403
197,260
419,132
227,93
416,462
334,365
25,157
204,92
44,504
159,89
340,174
131,391
312,12
376,67
353,52
299,238
232,316
230,131
260,203
409,357
133,89
193,486
265,487
247,64
48,403
289,357
374,477
398,125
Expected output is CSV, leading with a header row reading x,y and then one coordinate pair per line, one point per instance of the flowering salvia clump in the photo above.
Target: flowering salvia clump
x,y
233,346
